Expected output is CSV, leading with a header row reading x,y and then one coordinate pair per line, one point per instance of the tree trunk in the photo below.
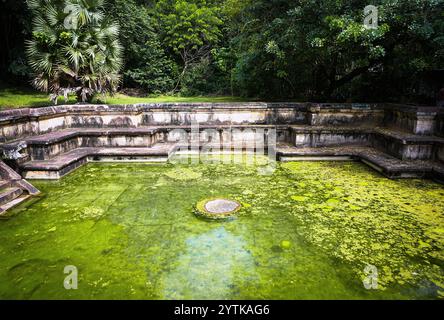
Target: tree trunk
x,y
179,81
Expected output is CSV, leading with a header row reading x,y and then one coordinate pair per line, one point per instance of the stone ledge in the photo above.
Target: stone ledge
x,y
80,155
65,134
34,113
401,136
62,135
384,163
65,159
401,144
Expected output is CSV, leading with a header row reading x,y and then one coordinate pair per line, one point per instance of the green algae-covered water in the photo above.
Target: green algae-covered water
x,y
311,230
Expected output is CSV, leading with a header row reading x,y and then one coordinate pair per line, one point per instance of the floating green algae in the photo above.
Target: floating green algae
x,y
183,174
306,232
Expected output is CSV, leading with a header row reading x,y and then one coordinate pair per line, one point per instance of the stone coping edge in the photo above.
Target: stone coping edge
x,y
31,113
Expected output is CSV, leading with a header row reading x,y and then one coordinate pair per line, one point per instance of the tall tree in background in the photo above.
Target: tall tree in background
x,y
189,28
147,66
320,50
74,47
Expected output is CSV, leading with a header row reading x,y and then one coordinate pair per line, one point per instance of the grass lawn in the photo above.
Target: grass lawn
x,y
19,98
16,98
123,99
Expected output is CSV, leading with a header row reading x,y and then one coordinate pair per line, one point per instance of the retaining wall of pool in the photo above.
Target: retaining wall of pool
x,y
400,141
17,123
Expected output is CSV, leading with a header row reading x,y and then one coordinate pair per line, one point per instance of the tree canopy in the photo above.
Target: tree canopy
x,y
275,49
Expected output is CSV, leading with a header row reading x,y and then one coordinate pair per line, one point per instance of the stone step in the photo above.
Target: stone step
x,y
69,161
393,133
4,184
65,134
13,203
386,164
13,189
403,145
7,174
9,194
26,187
48,145
406,146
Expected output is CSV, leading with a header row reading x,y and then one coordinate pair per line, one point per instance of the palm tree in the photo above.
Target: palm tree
x,y
74,48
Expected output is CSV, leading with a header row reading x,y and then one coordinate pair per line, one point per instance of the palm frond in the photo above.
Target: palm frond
x,y
91,60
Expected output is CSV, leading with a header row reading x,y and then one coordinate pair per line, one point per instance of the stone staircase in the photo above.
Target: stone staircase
x,y
55,154
393,152
13,189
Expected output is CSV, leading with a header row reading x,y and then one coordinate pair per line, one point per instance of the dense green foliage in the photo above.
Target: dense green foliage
x,y
147,66
274,49
321,49
189,29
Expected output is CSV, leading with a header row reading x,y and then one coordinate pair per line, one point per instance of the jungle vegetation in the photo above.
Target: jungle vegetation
x,y
263,49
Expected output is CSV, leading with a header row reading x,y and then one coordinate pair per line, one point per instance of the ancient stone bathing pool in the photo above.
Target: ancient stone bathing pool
x,y
309,230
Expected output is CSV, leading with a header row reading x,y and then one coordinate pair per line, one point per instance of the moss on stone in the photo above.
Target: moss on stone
x,y
183,174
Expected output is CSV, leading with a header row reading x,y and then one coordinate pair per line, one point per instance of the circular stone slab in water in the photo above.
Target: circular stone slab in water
x,y
217,208
221,206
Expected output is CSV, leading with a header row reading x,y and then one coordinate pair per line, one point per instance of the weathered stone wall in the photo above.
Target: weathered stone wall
x,y
324,137
402,148
147,132
142,140
344,114
236,135
46,151
20,123
223,114
411,119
